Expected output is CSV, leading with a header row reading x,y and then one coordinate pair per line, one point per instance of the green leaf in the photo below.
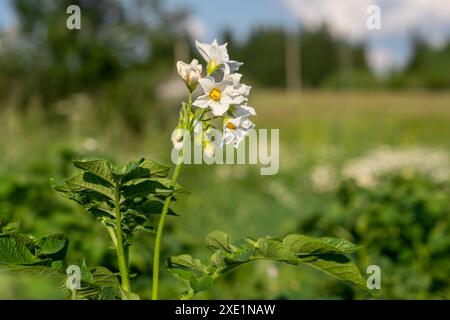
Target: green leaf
x,y
98,282
52,246
304,245
218,240
339,266
187,262
325,254
242,251
148,187
98,167
146,206
192,272
140,186
129,295
90,182
166,183
146,169
12,252
342,245
43,272
273,249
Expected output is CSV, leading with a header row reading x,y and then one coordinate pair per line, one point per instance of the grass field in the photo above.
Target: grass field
x,y
316,129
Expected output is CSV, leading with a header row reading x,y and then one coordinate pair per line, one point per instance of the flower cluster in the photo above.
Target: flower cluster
x,y
223,97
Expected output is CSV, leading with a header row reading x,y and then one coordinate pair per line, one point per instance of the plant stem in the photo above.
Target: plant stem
x,y
73,295
123,268
159,235
165,209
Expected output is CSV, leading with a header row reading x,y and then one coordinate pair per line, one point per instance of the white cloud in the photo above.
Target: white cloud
x,y
340,16
399,19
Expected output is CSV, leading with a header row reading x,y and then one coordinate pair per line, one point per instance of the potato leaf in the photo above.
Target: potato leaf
x,y
325,254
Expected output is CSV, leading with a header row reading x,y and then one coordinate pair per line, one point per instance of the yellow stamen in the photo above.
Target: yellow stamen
x,y
215,94
230,125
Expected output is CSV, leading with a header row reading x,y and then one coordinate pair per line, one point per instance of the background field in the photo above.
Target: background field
x,y
318,129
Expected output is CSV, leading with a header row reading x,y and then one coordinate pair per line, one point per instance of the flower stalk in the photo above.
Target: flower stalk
x,y
224,96
123,266
162,219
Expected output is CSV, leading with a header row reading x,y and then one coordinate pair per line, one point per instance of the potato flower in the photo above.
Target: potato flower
x,y
217,96
236,129
214,54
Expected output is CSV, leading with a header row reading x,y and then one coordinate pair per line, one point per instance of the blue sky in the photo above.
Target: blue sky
x,y
388,48
240,16
6,15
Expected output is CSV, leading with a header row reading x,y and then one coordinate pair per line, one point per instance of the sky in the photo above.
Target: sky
x,y
388,48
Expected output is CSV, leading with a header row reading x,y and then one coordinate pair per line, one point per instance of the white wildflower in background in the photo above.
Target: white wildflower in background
x,y
323,178
367,169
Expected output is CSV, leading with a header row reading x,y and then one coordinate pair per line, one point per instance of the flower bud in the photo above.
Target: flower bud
x,y
177,138
209,149
190,73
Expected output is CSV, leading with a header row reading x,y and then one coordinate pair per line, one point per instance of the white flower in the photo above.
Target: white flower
x,y
228,68
198,127
198,132
209,149
177,138
241,110
240,91
232,66
235,130
217,96
214,54
190,73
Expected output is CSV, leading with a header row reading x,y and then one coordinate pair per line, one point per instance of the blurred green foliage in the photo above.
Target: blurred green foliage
x,y
403,223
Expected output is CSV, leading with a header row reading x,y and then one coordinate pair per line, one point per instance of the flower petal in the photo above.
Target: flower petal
x,y
207,84
204,49
202,102
243,110
219,108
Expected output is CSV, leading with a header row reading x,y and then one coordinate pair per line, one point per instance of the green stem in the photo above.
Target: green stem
x,y
165,209
123,268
